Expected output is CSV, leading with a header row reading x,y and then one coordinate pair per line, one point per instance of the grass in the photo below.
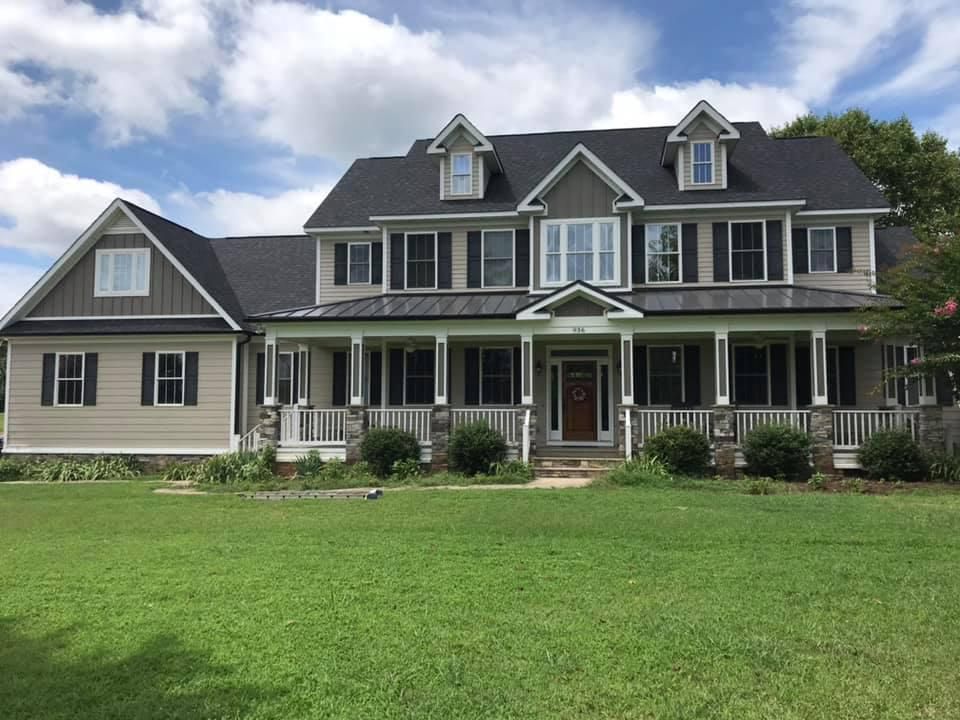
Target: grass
x,y
597,603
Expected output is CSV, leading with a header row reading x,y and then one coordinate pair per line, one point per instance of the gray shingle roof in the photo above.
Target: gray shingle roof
x,y
760,169
161,326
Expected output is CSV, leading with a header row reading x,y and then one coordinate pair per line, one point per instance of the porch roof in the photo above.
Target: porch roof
x,y
660,301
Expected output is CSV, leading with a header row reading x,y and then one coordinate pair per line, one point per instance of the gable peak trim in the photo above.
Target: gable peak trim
x,y
580,289
728,131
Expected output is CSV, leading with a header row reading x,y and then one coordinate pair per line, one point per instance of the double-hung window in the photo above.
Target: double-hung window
x,y
748,256
285,378
702,163
122,272
665,374
359,262
581,250
496,376
418,377
422,260
461,174
169,378
663,253
822,246
751,375
69,380
498,258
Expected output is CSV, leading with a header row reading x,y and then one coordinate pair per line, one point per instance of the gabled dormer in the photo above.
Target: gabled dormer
x,y
467,159
699,147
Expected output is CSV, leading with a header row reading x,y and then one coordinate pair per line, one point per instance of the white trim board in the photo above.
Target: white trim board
x,y
577,289
703,108
445,216
28,450
726,205
123,317
335,230
847,211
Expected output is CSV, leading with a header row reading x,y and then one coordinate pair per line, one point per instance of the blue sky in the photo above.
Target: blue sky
x,y
237,116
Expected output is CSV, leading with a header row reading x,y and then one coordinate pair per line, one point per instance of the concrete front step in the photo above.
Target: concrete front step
x,y
592,473
562,467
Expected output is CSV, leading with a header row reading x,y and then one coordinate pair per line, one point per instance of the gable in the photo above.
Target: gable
x,y
579,307
580,193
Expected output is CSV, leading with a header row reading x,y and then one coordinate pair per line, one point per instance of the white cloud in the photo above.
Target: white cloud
x,y
935,65
948,125
15,280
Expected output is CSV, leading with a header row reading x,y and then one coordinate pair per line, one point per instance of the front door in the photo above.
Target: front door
x,y
580,401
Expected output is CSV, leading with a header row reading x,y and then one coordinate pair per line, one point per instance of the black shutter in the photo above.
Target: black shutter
x,y
637,247
146,378
517,376
376,263
522,271
802,369
444,260
340,264
774,250
847,358
90,378
801,263
640,374
689,251
261,376
844,250
48,378
779,394
295,379
191,377
340,381
943,389
721,252
474,261
691,374
376,377
396,377
471,376
396,261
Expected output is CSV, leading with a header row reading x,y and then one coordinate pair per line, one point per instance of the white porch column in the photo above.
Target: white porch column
x,y
356,370
721,346
303,380
626,368
270,370
818,367
441,382
526,363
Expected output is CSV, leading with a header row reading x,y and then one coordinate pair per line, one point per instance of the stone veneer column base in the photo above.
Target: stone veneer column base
x,y
821,439
931,432
270,425
439,437
725,440
354,428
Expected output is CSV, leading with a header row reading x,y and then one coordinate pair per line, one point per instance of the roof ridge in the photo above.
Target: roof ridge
x,y
161,217
590,130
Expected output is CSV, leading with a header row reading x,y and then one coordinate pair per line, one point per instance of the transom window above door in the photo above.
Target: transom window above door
x,y
587,250
663,253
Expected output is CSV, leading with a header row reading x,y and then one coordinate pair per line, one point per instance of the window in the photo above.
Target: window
x,y
702,163
498,258
751,375
69,379
663,253
359,262
422,260
822,246
462,172
748,257
665,375
122,272
581,250
418,373
496,376
169,380
285,378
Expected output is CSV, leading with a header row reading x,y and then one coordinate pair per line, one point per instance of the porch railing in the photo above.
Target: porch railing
x,y
251,441
747,420
650,422
312,427
851,428
502,420
416,422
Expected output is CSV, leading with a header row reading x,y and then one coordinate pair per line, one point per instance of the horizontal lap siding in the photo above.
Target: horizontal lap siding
x,y
859,279
699,133
118,420
461,145
329,292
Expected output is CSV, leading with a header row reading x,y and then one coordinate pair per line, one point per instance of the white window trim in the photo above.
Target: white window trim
x,y
468,174
683,374
156,377
406,353
646,255
480,376
694,162
350,247
406,261
763,225
733,367
57,379
810,269
513,259
562,222
293,376
97,292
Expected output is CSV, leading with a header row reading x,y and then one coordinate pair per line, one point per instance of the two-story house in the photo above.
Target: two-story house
x,y
577,290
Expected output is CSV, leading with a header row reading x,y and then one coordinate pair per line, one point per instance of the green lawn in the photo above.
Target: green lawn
x,y
596,603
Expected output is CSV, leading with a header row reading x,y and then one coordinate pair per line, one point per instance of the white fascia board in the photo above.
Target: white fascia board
x,y
724,205
459,121
445,216
207,316
533,312
847,211
703,108
341,230
561,168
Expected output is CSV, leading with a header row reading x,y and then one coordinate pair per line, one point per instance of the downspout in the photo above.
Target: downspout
x,y
238,386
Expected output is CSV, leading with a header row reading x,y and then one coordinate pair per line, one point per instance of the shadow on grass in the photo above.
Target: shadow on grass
x,y
42,677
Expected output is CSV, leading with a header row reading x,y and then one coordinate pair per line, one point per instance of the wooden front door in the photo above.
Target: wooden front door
x,y
580,401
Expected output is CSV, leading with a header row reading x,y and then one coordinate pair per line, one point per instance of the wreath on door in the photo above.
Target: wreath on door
x,y
578,394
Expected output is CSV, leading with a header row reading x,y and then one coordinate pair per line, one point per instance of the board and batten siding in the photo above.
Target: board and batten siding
x,y
462,145
118,420
170,292
860,278
702,132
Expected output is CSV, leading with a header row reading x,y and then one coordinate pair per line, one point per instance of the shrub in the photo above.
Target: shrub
x,y
309,465
102,467
760,486
382,447
178,472
853,485
515,471
337,474
892,455
406,470
817,481
11,469
682,449
237,467
643,470
944,467
475,448
779,451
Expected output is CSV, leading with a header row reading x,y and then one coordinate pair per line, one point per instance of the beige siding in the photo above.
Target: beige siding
x,y
328,291
170,292
702,132
462,145
859,279
119,421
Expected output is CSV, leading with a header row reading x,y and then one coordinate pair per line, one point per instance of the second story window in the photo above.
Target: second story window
x,y
702,163
748,256
359,263
663,253
461,174
822,244
498,258
122,272
422,260
585,250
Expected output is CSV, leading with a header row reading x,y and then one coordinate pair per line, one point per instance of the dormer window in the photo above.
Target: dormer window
x,y
462,174
702,163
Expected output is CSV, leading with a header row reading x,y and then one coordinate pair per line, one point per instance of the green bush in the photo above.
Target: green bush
x,y
778,451
102,467
309,465
178,472
406,471
236,468
643,470
760,486
337,474
515,471
682,449
853,485
12,469
817,481
892,455
475,448
943,467
382,447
